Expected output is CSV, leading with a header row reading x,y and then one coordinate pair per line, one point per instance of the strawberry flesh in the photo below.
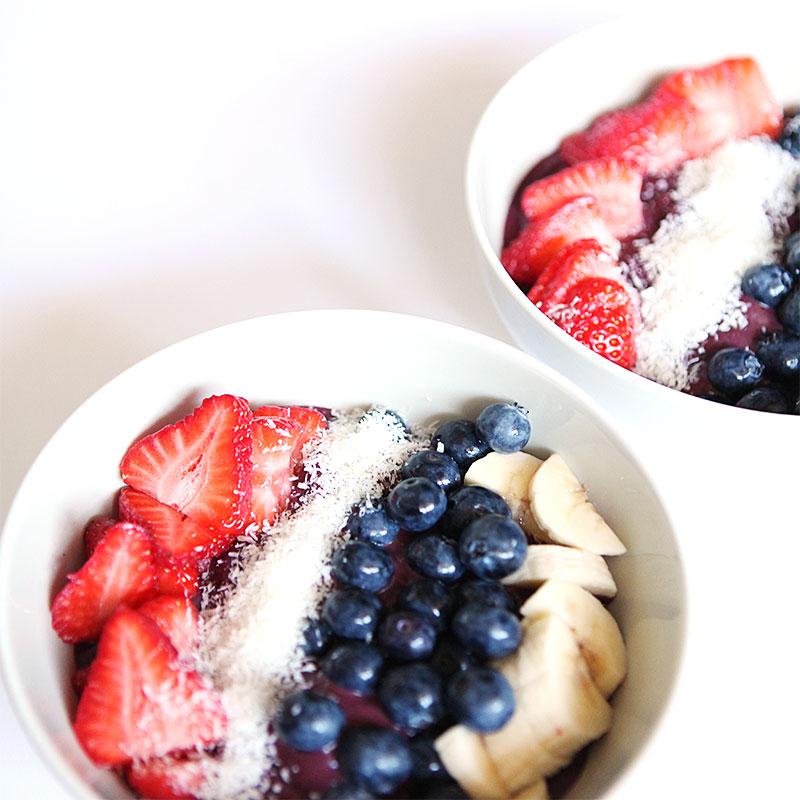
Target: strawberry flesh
x,y
615,184
94,531
166,778
178,620
177,576
120,570
138,702
200,465
527,256
312,422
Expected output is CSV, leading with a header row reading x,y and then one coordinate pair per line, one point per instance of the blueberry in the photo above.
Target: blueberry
x,y
428,598
308,721
480,698
765,398
493,546
767,283
435,557
376,758
363,566
371,523
789,139
471,502
789,311
417,504
487,593
505,427
353,665
352,613
427,765
487,631
436,467
459,440
791,253
450,656
407,636
347,791
780,353
316,636
412,696
734,370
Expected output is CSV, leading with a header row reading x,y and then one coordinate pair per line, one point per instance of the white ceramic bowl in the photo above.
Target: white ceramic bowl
x,y
425,370
560,92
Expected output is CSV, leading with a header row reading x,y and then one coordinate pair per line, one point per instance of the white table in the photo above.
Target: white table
x,y
169,167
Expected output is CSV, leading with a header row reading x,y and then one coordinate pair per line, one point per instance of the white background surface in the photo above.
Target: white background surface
x,y
166,168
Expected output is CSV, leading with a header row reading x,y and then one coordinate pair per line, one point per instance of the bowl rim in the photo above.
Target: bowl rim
x,y
473,167
11,675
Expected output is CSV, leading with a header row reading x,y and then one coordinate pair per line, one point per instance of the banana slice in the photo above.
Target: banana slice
x,y
508,474
536,792
465,757
544,562
563,512
596,631
557,693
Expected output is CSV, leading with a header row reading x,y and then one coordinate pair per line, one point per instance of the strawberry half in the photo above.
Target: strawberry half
x,y
600,314
200,465
312,422
526,257
172,531
138,702
582,259
120,570
616,185
177,576
94,531
166,778
178,620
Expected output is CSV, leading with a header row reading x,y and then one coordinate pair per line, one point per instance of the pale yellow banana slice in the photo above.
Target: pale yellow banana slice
x,y
596,631
536,792
544,562
565,515
508,474
465,757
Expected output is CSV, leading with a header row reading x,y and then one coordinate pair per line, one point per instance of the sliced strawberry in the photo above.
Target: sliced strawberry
x,y
731,100
138,702
78,680
600,314
582,259
94,531
312,422
167,778
200,465
172,531
121,570
275,459
526,257
654,134
616,185
177,619
177,576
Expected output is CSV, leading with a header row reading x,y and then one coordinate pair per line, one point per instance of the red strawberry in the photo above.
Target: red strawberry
x,y
177,619
312,422
138,702
200,465
600,314
166,778
94,531
172,531
275,458
654,134
121,570
579,260
616,185
177,576
526,257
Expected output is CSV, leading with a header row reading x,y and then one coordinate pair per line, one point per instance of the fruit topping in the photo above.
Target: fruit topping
x,y
139,703
505,427
120,570
791,252
429,598
354,666
309,721
201,465
480,698
789,311
417,504
406,636
94,531
316,636
167,778
767,283
527,256
780,354
352,613
412,696
376,758
471,502
459,440
492,546
734,370
436,467
615,184
371,523
487,631
765,398
178,620
363,566
436,557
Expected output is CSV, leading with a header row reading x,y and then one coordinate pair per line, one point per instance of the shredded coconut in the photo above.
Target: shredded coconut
x,y
731,211
251,640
